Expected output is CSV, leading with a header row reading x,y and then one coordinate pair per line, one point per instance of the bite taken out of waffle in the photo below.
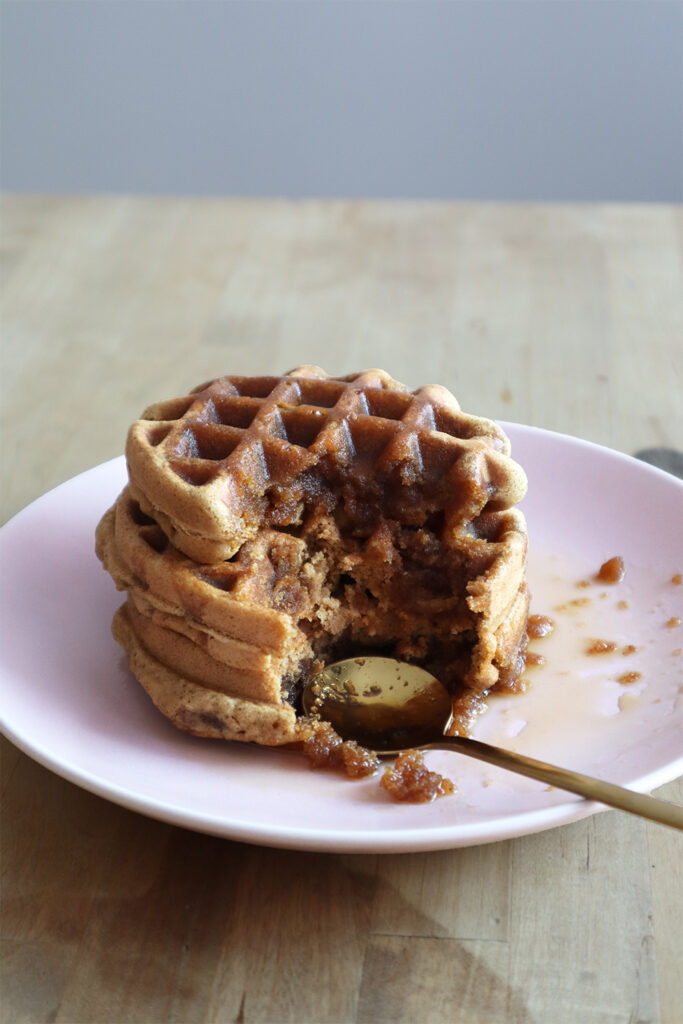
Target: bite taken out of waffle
x,y
272,524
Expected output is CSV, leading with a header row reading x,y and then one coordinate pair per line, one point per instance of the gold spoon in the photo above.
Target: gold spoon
x,y
389,706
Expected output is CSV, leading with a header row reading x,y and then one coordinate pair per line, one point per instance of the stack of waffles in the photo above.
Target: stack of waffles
x,y
271,524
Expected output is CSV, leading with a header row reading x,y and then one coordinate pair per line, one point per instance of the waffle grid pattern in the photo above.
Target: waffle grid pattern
x,y
230,594
202,432
249,581
238,445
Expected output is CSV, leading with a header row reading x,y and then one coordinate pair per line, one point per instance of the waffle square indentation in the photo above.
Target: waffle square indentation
x,y
236,412
371,438
157,434
323,393
155,537
139,517
389,405
197,472
255,387
215,442
222,578
302,426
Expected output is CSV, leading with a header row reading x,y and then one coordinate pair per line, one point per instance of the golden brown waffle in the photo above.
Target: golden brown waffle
x,y
197,708
272,522
237,606
204,641
221,649
240,453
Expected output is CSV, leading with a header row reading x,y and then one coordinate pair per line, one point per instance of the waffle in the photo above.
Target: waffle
x,y
242,453
275,523
195,707
223,650
208,643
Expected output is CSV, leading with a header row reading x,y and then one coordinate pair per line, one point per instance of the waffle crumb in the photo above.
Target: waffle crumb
x,y
629,677
601,647
325,749
539,626
409,780
612,571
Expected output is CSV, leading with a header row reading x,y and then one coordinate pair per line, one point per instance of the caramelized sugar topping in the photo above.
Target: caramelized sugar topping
x,y
410,781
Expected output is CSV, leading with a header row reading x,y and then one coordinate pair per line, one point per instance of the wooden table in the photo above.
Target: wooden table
x,y
568,317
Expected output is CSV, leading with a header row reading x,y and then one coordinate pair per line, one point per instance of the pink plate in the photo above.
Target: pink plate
x,y
70,702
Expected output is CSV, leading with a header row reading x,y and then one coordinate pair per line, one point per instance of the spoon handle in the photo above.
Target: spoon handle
x,y
574,782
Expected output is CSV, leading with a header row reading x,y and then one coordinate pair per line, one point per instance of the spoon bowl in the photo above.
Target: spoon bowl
x,y
389,706
383,704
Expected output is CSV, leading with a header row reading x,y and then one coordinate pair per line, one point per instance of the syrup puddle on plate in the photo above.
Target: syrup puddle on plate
x,y
576,709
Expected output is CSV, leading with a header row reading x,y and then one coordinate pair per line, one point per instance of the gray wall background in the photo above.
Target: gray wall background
x,y
472,99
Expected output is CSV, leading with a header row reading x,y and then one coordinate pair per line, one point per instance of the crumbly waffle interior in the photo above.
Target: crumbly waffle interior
x,y
392,589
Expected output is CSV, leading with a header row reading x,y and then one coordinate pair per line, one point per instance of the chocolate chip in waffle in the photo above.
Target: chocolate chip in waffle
x,y
242,453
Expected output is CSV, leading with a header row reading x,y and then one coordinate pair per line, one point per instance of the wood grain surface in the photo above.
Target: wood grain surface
x,y
566,317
